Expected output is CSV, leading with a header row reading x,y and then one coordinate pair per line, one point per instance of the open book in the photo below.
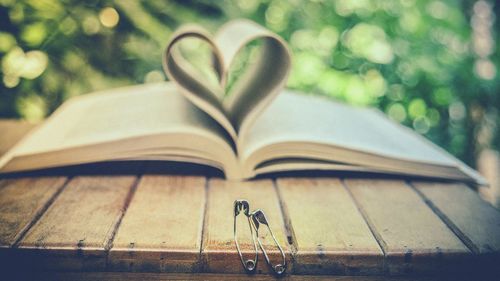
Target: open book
x,y
257,128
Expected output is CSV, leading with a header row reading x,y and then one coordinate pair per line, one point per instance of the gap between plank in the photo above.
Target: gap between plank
x,y
128,199
40,213
201,263
290,233
380,241
473,248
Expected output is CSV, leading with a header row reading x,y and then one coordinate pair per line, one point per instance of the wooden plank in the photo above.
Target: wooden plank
x,y
161,230
119,276
413,238
474,220
75,230
21,202
11,131
219,251
331,235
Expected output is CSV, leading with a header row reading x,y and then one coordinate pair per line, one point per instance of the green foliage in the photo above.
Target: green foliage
x,y
418,61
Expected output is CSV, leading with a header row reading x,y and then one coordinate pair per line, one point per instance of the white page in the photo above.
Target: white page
x,y
117,114
295,117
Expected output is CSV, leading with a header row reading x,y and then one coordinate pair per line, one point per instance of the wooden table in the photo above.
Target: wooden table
x,y
150,226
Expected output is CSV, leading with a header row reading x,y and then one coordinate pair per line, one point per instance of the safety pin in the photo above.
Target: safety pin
x,y
249,265
258,218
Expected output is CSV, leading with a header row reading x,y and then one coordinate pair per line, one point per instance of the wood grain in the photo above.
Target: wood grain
x,y
474,220
161,230
219,251
75,230
21,201
413,238
331,235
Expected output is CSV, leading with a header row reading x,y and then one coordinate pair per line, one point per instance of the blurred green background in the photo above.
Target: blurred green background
x,y
430,65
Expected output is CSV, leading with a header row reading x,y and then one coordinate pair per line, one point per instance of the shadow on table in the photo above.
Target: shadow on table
x,y
183,168
124,168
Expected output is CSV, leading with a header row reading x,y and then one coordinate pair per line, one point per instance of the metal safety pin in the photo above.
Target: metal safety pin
x,y
249,265
258,218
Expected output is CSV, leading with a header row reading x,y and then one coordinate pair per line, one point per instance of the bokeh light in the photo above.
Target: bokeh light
x,y
109,17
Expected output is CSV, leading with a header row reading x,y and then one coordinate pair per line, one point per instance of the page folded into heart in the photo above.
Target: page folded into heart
x,y
254,89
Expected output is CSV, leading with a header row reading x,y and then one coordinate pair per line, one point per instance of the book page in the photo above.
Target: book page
x,y
252,92
119,114
263,80
190,83
295,117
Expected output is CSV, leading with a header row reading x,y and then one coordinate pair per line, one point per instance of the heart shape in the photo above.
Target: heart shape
x,y
251,93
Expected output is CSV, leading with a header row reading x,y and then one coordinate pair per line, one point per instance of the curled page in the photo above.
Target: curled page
x,y
193,86
253,91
